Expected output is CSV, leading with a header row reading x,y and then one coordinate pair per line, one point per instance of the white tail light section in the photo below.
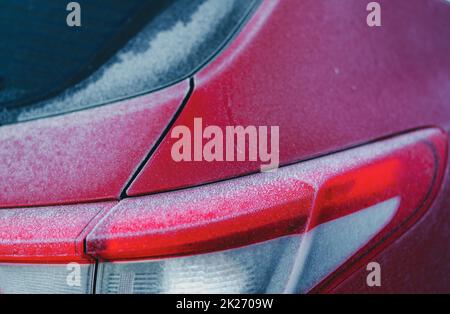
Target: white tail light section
x,y
44,279
329,245
254,269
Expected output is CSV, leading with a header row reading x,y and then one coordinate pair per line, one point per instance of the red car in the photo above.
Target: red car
x,y
224,146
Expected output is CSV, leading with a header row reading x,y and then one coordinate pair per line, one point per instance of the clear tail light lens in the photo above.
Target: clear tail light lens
x,y
46,278
254,269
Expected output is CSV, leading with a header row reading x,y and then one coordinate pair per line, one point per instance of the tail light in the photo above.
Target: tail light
x,y
306,224
303,228
41,249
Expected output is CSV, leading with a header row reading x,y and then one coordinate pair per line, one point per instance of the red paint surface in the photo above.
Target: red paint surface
x,y
329,81
82,156
47,234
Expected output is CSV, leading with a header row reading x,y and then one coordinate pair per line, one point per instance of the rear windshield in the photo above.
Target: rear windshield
x,y
40,55
122,49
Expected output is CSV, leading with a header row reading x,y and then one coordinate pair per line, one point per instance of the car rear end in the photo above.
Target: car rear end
x,y
92,199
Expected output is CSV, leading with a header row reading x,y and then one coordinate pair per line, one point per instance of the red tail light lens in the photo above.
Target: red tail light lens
x,y
203,219
339,210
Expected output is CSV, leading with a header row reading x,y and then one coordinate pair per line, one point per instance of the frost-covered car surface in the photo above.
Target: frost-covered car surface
x,y
89,187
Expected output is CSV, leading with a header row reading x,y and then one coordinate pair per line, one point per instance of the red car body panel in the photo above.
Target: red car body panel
x,y
329,81
83,156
